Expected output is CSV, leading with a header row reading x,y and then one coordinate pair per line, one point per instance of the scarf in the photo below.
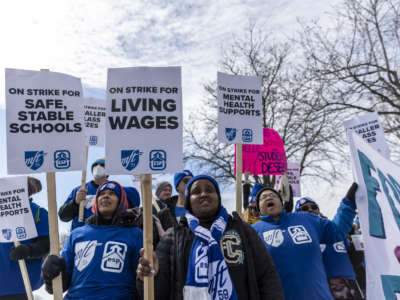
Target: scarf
x,y
208,275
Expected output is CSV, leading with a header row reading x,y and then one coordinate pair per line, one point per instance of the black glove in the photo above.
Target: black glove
x,y
23,251
129,218
52,267
351,193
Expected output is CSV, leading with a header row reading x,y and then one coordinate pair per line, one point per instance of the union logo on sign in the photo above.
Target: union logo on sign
x,y
247,135
93,140
62,159
34,159
130,158
6,233
230,133
158,160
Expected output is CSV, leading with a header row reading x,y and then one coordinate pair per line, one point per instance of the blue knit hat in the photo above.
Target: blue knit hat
x,y
303,200
100,161
189,184
254,191
111,186
179,176
133,196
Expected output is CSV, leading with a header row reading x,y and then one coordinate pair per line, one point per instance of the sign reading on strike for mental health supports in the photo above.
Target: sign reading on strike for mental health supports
x,y
144,120
293,172
44,112
266,159
95,120
370,129
239,109
378,204
16,220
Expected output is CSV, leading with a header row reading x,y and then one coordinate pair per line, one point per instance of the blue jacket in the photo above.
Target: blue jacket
x,y
101,262
336,260
10,275
294,243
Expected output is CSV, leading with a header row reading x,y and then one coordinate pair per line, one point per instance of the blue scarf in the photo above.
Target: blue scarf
x,y
208,275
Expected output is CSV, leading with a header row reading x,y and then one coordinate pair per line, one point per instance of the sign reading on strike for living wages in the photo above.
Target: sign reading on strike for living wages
x,y
144,120
293,171
266,159
16,220
378,204
370,129
95,120
44,112
239,109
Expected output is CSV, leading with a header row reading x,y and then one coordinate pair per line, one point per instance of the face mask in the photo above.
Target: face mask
x,y
99,172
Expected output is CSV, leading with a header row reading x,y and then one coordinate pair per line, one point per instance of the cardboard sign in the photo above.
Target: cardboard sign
x,y
95,121
239,109
144,120
44,112
266,159
293,171
378,204
370,129
16,220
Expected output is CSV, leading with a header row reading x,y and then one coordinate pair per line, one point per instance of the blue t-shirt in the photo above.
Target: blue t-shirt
x,y
102,262
9,269
179,211
294,244
336,260
90,196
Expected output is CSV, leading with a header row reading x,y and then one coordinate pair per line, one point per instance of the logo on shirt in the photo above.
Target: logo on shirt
x,y
322,247
113,257
340,247
201,265
299,234
84,252
231,245
273,237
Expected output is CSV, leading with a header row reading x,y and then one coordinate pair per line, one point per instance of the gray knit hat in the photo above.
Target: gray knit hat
x,y
160,186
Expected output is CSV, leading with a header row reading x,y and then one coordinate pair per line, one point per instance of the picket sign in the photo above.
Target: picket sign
x,y
25,276
83,186
145,180
239,179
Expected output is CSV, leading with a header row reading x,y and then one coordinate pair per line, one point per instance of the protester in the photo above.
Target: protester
x,y
163,193
251,214
294,239
170,215
100,258
339,270
32,251
210,254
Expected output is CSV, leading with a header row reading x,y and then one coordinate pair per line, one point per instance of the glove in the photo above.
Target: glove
x,y
351,193
23,251
129,218
52,267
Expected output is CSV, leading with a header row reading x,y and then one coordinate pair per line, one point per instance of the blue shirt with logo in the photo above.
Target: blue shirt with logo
x,y
11,282
294,244
102,261
336,260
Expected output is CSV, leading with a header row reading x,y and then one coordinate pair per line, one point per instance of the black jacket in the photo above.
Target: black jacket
x,y
250,265
167,215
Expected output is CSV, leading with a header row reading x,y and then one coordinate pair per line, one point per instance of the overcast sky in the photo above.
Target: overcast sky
x,y
84,38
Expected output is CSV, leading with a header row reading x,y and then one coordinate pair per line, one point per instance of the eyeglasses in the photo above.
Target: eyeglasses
x,y
309,207
266,196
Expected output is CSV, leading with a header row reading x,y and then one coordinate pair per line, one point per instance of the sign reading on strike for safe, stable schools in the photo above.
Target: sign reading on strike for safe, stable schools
x,y
144,120
16,220
44,112
266,159
293,172
370,129
239,109
378,204
95,121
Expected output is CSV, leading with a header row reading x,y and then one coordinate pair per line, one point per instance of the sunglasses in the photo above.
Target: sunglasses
x,y
309,207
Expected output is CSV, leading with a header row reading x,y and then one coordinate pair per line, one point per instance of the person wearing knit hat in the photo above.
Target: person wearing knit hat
x,y
294,239
111,252
210,242
170,215
70,209
163,193
32,251
307,204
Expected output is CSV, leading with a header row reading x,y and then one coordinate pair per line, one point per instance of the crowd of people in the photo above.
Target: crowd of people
x,y
271,251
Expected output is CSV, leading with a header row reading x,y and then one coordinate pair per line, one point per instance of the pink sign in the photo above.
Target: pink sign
x,y
266,159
